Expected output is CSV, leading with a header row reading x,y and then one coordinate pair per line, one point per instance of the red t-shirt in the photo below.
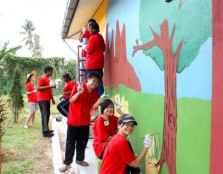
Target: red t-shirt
x,y
33,96
68,87
79,111
102,130
116,156
87,35
45,94
96,46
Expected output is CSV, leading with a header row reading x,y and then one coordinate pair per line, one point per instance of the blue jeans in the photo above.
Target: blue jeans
x,y
63,107
100,88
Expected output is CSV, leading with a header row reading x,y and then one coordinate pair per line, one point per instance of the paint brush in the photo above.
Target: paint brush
x,y
152,134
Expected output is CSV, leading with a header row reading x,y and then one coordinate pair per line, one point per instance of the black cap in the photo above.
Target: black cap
x,y
125,118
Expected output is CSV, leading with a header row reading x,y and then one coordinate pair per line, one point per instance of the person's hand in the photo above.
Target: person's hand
x,y
103,96
52,84
35,90
84,30
53,101
118,105
84,47
80,88
147,141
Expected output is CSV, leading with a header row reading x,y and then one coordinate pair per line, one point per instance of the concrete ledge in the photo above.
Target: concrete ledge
x,y
58,147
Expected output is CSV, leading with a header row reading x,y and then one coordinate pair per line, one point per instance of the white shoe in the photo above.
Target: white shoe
x,y
26,127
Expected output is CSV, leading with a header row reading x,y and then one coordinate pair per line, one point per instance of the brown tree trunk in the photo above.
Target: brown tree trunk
x,y
170,117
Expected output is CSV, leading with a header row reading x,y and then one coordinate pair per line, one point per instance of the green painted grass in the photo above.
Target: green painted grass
x,y
193,128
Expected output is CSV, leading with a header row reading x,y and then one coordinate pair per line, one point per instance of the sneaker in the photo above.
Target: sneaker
x,y
59,118
64,168
26,127
48,135
51,131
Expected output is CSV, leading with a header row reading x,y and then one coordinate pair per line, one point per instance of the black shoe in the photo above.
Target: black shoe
x,y
48,135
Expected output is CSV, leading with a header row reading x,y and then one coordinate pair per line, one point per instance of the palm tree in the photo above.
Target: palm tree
x,y
30,36
37,49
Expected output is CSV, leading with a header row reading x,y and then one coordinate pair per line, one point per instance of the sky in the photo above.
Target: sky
x,y
46,15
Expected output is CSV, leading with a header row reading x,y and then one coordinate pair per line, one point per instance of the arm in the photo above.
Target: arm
x,y
139,158
95,106
81,37
53,101
147,145
30,92
75,97
80,90
44,87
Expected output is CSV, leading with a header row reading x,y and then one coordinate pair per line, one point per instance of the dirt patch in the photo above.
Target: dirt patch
x,y
43,157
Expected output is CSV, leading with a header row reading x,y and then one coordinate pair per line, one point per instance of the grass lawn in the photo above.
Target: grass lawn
x,y
25,150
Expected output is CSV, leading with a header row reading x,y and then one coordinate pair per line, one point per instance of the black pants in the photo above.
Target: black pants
x,y
45,115
77,137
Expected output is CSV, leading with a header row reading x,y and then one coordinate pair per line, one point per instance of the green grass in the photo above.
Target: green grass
x,y
19,145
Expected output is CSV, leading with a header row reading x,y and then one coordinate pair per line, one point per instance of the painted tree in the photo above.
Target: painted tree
x,y
172,51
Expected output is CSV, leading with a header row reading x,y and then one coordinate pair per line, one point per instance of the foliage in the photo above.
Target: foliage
x,y
2,114
37,49
70,68
4,52
8,62
16,98
201,29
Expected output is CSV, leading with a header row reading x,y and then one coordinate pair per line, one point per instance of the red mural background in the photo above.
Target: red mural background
x,y
117,69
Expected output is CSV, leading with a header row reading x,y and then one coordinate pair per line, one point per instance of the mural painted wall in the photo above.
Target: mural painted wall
x,y
159,65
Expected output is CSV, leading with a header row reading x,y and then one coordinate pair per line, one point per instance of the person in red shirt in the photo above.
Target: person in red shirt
x,y
63,106
31,93
84,37
105,126
44,96
95,54
84,98
118,154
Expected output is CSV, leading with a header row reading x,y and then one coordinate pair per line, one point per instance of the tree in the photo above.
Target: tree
x,y
172,52
16,97
2,113
31,39
70,68
37,49
4,52
29,33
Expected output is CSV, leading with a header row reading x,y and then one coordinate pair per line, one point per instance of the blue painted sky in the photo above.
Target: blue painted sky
x,y
194,81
